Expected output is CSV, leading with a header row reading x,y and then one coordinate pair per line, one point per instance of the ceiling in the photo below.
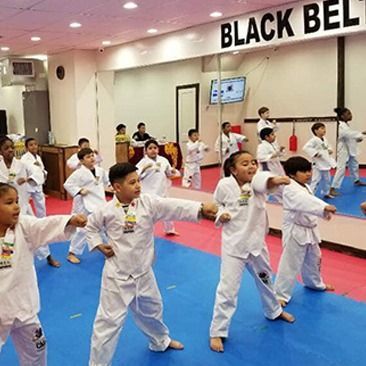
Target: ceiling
x,y
104,20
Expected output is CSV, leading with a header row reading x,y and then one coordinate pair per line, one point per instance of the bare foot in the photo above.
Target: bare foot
x,y
175,345
53,262
216,344
72,258
329,287
172,233
283,303
287,317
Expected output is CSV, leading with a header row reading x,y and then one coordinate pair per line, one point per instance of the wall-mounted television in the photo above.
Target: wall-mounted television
x,y
232,90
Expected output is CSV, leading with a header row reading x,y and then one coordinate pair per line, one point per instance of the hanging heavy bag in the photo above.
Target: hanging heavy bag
x,y
292,141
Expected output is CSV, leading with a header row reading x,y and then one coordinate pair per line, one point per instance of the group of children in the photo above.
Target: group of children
x,y
122,229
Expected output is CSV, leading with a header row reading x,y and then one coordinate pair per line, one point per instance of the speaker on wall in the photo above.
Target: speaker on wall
x,y
3,124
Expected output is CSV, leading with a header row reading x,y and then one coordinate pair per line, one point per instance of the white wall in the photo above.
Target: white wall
x,y
355,71
11,100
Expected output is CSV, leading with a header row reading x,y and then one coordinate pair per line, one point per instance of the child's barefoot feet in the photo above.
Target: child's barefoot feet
x,y
283,303
72,258
175,345
53,262
329,287
287,317
216,344
172,233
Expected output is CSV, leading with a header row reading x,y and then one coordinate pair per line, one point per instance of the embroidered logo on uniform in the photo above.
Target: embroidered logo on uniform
x,y
265,278
39,339
130,219
11,177
7,251
245,194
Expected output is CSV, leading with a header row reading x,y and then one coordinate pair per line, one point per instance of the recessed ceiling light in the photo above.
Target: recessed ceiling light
x,y
75,25
130,5
152,30
4,48
216,14
35,39
106,43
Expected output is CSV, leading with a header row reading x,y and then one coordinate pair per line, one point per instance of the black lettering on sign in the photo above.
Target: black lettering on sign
x,y
311,18
283,23
347,21
226,37
267,36
238,41
252,32
328,13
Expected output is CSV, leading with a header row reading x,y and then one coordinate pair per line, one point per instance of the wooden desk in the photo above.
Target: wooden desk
x,y
54,158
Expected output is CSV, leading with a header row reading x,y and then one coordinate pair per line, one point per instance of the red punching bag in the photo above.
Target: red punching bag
x,y
293,139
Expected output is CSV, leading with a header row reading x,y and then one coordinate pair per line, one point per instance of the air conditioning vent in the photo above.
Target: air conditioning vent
x,y
18,72
23,68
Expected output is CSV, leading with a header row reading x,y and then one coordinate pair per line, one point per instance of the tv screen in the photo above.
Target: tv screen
x,y
232,90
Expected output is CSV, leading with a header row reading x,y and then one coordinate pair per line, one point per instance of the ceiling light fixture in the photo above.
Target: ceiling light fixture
x,y
130,5
106,43
35,39
152,30
4,48
216,14
236,53
75,25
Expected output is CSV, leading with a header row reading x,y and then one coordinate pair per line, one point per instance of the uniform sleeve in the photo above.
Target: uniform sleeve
x,y
193,148
73,162
46,230
140,167
220,196
94,228
301,201
260,182
72,184
174,209
310,148
223,147
264,154
239,138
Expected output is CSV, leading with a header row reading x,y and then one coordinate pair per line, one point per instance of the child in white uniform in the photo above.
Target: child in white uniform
x,y
155,171
73,162
263,122
300,234
34,187
15,173
228,141
87,186
241,197
20,236
128,281
319,150
195,150
346,151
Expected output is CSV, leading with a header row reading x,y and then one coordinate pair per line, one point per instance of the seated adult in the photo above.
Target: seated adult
x,y
140,134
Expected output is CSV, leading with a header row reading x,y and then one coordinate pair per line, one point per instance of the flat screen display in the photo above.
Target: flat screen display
x,y
232,90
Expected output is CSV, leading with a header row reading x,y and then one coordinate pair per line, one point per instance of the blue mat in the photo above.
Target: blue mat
x,y
329,331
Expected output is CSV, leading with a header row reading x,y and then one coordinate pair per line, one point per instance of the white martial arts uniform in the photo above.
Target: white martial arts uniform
x,y
300,238
347,153
73,161
83,178
229,144
243,245
34,189
264,123
19,296
154,180
17,170
128,280
192,171
318,149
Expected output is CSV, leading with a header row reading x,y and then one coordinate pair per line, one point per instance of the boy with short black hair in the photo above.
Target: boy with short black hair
x,y
74,163
300,234
319,150
87,187
263,122
194,156
128,279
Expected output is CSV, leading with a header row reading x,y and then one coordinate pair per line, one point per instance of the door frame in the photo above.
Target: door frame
x,y
197,100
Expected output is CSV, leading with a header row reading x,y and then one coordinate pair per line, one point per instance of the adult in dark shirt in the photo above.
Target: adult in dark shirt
x,y
140,134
